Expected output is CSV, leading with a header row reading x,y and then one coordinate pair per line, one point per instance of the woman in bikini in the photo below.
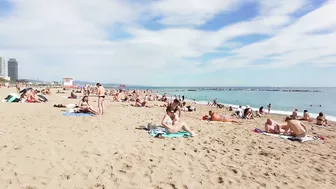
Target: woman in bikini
x,y
173,125
84,107
175,105
101,97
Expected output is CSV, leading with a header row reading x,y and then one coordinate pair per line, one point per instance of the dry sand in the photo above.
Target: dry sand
x,y
40,148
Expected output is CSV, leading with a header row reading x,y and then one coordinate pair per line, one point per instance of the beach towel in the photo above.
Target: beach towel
x,y
160,131
77,114
292,138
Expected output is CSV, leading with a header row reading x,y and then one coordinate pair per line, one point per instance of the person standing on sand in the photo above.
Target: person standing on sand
x,y
269,107
101,97
18,87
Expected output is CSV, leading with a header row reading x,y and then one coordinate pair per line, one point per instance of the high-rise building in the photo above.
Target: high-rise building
x,y
13,69
3,67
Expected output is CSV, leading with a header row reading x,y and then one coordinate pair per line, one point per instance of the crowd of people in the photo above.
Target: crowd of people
x,y
174,105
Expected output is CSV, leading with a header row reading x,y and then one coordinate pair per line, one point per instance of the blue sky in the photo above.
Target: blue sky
x,y
173,43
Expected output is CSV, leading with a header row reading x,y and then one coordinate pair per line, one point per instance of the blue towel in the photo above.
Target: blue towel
x,y
77,114
161,131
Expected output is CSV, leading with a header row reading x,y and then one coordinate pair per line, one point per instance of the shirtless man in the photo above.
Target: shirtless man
x,y
216,117
273,127
294,128
101,97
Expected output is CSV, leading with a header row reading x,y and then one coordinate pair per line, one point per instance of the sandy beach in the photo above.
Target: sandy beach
x,y
41,148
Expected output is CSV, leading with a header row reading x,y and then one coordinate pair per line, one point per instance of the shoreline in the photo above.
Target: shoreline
x,y
273,111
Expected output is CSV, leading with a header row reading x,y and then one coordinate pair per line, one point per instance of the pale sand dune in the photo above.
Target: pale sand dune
x,y
40,148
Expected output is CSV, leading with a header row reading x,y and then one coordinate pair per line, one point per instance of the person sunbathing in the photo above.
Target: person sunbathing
x,y
306,116
273,127
59,106
84,107
138,103
294,128
221,118
172,124
321,120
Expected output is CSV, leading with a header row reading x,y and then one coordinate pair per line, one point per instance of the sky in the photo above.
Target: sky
x,y
173,42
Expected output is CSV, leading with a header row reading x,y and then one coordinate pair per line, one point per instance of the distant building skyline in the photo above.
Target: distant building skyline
x,y
13,70
3,67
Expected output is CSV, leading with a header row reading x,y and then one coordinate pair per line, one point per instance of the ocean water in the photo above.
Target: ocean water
x,y
282,102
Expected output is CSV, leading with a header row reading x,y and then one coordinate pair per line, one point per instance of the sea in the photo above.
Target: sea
x,y
283,100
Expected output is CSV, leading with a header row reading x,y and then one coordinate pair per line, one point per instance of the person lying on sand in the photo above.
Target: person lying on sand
x,y
222,118
173,124
321,120
59,106
306,116
84,107
294,128
273,127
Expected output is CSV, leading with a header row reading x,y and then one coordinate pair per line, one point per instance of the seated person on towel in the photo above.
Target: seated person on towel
x,y
294,128
222,118
173,124
273,127
84,107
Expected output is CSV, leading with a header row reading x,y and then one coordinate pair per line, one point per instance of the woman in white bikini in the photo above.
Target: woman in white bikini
x,y
84,107
101,97
173,125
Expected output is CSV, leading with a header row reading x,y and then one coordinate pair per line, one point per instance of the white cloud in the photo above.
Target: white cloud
x,y
52,39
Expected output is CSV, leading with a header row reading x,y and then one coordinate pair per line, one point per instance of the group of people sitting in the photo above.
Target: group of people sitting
x,y
292,127
26,96
320,119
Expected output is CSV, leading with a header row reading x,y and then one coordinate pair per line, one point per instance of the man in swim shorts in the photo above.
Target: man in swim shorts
x,y
295,128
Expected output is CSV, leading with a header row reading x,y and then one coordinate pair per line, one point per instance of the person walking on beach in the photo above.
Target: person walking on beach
x,y
101,97
269,107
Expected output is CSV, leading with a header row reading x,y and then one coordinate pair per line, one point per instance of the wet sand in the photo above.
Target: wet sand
x,y
40,148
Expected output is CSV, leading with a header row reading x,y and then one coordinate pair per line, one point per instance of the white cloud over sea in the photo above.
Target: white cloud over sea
x,y
170,42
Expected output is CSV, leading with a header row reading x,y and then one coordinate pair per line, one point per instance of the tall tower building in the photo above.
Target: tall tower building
x,y
13,69
3,67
